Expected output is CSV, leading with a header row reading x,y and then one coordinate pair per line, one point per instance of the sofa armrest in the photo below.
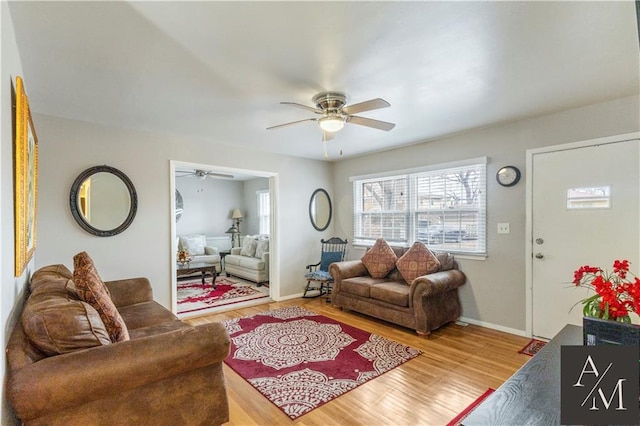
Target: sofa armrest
x,y
64,381
436,283
210,250
347,269
130,291
236,250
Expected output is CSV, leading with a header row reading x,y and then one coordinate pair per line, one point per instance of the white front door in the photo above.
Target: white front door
x,y
585,211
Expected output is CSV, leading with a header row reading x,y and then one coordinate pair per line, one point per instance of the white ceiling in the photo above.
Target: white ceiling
x,y
218,70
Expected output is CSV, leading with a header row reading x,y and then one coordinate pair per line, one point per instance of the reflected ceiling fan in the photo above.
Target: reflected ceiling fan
x,y
333,112
203,174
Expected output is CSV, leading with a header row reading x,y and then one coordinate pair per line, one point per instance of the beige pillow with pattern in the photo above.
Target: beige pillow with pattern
x,y
379,259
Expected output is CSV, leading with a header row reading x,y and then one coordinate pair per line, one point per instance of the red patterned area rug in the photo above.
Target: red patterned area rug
x,y
458,420
195,296
300,360
532,347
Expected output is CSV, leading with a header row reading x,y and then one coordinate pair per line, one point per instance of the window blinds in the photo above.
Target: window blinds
x,y
444,208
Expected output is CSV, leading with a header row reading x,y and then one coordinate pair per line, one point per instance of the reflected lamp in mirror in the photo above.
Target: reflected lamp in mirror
x,y
320,209
103,201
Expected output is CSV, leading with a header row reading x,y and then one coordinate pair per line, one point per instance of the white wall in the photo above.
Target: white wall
x,y
68,147
207,205
12,288
495,291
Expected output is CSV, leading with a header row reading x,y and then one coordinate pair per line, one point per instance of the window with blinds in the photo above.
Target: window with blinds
x,y
444,208
264,208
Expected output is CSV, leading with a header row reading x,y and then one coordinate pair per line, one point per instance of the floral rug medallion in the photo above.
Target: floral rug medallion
x,y
300,360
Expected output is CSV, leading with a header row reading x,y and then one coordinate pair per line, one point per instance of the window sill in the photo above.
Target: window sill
x,y
461,256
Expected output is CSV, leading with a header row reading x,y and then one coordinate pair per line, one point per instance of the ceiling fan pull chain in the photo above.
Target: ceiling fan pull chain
x,y
324,142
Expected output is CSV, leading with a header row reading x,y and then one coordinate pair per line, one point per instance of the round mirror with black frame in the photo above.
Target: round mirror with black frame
x,y
320,209
103,201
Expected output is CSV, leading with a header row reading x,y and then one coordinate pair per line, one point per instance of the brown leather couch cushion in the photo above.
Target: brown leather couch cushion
x,y
92,290
57,323
391,292
49,272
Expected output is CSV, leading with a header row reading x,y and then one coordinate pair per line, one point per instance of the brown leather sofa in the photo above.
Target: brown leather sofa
x,y
425,304
62,370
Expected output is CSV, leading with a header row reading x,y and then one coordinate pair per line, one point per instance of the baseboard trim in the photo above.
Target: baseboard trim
x,y
289,297
495,326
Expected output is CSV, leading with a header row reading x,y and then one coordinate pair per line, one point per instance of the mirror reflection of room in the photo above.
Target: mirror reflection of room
x,y
104,201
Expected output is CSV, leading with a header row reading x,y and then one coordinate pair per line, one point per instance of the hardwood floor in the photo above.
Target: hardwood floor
x,y
458,364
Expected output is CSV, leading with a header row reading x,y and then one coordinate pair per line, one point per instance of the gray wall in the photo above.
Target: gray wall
x,y
495,291
67,147
208,205
249,224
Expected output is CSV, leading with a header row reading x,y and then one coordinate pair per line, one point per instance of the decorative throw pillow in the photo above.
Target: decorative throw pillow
x,y
194,244
380,259
92,290
249,246
416,262
329,257
262,247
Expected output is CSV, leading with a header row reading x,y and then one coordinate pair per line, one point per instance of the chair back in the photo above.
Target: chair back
x,y
333,250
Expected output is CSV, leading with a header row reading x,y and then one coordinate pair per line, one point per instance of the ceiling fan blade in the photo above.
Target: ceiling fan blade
x,y
369,122
366,106
308,108
291,123
220,175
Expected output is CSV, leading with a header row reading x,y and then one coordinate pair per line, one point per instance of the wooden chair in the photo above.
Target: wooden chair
x,y
333,250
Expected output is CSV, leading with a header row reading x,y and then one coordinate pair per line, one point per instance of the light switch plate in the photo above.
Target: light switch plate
x,y
503,228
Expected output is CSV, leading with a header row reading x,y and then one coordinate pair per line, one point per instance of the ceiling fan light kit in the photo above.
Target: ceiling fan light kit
x,y
331,123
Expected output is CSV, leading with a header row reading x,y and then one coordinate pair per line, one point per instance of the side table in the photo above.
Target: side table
x,y
223,254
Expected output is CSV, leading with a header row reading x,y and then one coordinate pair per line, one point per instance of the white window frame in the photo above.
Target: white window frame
x,y
264,217
412,212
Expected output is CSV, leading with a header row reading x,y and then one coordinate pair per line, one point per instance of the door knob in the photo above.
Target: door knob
x,y
539,255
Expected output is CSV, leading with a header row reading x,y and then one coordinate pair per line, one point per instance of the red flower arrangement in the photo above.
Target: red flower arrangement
x,y
616,293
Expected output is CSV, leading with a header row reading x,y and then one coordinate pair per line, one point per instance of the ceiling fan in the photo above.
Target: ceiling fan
x,y
333,112
203,174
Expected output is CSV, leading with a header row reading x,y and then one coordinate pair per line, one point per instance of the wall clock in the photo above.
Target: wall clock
x,y
508,175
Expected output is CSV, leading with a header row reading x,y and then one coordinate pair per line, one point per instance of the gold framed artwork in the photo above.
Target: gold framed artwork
x,y
26,181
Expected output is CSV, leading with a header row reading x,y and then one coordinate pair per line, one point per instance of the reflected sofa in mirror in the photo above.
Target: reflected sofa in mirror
x,y
103,201
320,209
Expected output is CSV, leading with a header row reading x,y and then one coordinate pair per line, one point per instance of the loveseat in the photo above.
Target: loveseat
x,y
64,369
425,303
250,261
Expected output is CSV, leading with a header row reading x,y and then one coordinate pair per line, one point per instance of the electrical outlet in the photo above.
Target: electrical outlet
x,y
503,228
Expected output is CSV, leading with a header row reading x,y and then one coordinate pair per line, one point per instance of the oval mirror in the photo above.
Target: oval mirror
x,y
320,209
103,201
179,205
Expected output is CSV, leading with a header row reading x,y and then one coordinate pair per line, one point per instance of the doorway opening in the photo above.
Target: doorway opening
x,y
223,204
